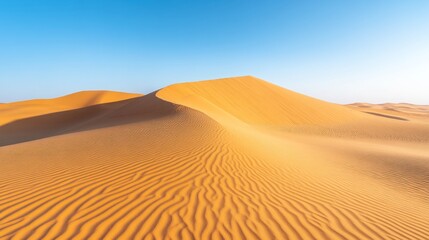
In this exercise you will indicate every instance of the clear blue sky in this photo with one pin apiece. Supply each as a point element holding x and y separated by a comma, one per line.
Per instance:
<point>340,51</point>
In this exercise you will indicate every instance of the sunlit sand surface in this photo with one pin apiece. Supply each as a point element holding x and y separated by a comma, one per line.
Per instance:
<point>235,158</point>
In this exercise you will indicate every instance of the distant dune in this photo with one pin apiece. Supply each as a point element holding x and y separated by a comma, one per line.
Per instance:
<point>399,109</point>
<point>19,110</point>
<point>234,158</point>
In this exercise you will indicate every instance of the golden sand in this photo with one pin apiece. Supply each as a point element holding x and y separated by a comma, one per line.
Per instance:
<point>235,158</point>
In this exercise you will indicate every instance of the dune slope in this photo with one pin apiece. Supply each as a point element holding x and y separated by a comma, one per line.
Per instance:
<point>186,163</point>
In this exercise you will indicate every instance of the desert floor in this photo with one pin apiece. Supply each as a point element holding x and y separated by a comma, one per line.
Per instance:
<point>235,158</point>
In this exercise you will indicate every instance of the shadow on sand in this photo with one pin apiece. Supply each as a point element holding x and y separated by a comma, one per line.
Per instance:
<point>83,119</point>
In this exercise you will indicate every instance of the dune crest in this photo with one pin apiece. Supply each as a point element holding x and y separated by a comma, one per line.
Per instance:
<point>191,161</point>
<point>255,101</point>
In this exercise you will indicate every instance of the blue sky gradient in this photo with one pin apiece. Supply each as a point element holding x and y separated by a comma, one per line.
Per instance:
<point>340,51</point>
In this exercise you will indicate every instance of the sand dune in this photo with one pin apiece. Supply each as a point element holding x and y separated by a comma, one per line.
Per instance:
<point>18,110</point>
<point>235,158</point>
<point>255,101</point>
<point>395,109</point>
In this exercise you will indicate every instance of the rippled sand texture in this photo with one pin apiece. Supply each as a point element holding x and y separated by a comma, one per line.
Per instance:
<point>235,158</point>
